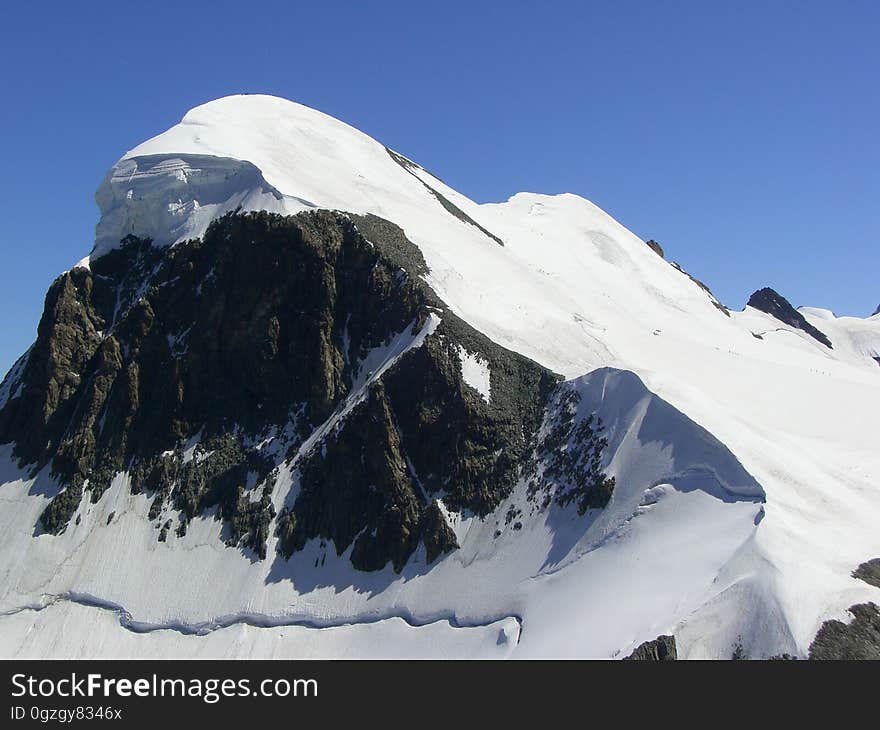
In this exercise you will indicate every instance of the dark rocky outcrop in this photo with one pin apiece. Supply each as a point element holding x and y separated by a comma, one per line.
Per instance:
<point>869,572</point>
<point>859,639</point>
<point>240,331</point>
<point>661,649</point>
<point>180,365</point>
<point>769,301</point>
<point>656,248</point>
<point>421,433</point>
<point>447,204</point>
<point>437,535</point>
<point>567,462</point>
<point>876,311</point>
<point>712,298</point>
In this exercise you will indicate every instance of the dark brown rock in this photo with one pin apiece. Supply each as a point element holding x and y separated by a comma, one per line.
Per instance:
<point>774,304</point>
<point>705,287</point>
<point>869,572</point>
<point>570,453</point>
<point>447,204</point>
<point>256,331</point>
<point>661,649</point>
<point>859,639</point>
<point>656,248</point>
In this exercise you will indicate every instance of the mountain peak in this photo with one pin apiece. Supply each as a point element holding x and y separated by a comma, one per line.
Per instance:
<point>259,152</point>
<point>773,303</point>
<point>293,342</point>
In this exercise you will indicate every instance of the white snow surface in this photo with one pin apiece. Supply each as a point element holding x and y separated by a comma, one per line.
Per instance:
<point>476,373</point>
<point>749,407</point>
<point>854,336</point>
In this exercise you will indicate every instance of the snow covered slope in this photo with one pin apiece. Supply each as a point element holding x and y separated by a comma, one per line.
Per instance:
<point>727,410</point>
<point>859,338</point>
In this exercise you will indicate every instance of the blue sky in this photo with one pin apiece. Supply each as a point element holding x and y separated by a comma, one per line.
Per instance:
<point>742,136</point>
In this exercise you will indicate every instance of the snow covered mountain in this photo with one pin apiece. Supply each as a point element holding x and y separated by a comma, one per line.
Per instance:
<point>304,399</point>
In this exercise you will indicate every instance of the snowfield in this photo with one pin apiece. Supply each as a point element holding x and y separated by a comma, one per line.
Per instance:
<point>745,452</point>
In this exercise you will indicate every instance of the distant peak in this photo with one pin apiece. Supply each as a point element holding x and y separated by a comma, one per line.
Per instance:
<point>773,303</point>
<point>876,311</point>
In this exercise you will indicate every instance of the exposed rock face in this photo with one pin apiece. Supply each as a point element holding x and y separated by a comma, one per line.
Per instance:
<point>656,248</point>
<point>715,303</point>
<point>566,467</point>
<point>859,639</point>
<point>203,369</point>
<point>450,207</point>
<point>869,572</point>
<point>774,304</point>
<point>661,649</point>
<point>359,489</point>
<point>876,311</point>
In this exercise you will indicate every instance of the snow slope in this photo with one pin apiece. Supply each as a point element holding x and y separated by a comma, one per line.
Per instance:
<point>570,287</point>
<point>853,335</point>
<point>678,487</point>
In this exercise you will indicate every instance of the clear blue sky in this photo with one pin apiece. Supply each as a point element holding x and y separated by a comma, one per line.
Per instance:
<point>743,136</point>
